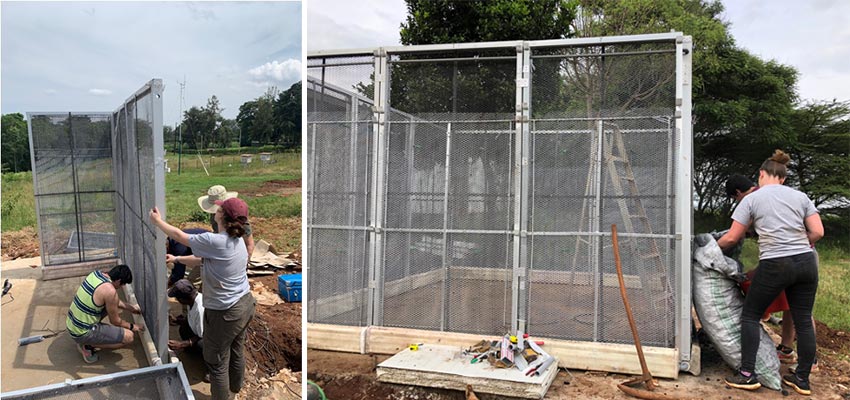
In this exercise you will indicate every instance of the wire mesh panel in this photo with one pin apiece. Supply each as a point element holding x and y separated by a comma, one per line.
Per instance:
<point>339,150</point>
<point>139,186</point>
<point>71,157</point>
<point>602,137</point>
<point>166,382</point>
<point>498,170</point>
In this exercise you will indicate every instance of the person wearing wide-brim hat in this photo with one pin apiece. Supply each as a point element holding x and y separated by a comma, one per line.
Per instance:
<point>207,203</point>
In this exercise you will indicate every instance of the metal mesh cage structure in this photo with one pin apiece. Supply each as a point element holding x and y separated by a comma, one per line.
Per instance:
<point>95,175</point>
<point>165,382</point>
<point>72,183</point>
<point>472,187</point>
<point>139,186</point>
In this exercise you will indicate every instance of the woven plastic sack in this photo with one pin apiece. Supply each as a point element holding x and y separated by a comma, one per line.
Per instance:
<point>718,301</point>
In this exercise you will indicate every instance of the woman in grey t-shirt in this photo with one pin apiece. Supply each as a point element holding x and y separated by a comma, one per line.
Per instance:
<point>788,225</point>
<point>228,302</point>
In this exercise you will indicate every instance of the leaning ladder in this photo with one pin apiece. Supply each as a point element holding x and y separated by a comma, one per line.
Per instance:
<point>653,273</point>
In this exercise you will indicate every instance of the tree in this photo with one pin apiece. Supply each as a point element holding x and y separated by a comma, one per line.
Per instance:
<point>742,104</point>
<point>447,21</point>
<point>246,118</point>
<point>201,125</point>
<point>15,151</point>
<point>820,158</point>
<point>287,111</point>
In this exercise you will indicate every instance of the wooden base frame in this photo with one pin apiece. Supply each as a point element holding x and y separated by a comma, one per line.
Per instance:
<point>608,357</point>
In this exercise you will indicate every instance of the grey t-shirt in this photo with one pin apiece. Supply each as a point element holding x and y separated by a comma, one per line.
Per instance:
<point>223,272</point>
<point>778,215</point>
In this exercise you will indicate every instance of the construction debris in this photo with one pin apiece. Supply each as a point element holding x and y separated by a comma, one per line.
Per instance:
<point>264,256</point>
<point>264,295</point>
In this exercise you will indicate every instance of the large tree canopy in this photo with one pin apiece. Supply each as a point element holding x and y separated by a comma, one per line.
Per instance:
<point>15,151</point>
<point>744,106</point>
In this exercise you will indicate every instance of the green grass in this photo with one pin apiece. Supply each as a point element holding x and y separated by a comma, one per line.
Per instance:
<point>833,285</point>
<point>183,190</point>
<point>17,210</point>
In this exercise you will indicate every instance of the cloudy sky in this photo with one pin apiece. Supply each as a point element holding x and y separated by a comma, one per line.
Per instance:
<point>91,56</point>
<point>812,36</point>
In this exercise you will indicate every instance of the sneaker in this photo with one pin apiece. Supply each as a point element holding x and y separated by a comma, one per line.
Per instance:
<point>793,369</point>
<point>786,355</point>
<point>798,384</point>
<point>739,381</point>
<point>88,353</point>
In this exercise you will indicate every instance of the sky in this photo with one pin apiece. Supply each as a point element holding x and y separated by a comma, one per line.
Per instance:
<point>812,36</point>
<point>82,56</point>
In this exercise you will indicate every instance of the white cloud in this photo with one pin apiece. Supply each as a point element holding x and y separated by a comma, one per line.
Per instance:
<point>100,92</point>
<point>50,92</point>
<point>277,71</point>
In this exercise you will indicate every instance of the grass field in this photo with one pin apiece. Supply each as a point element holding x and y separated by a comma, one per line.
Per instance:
<point>183,190</point>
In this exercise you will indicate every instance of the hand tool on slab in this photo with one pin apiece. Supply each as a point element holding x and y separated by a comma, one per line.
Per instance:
<point>415,346</point>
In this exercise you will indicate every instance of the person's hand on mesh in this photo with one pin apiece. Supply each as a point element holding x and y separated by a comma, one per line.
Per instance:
<point>155,216</point>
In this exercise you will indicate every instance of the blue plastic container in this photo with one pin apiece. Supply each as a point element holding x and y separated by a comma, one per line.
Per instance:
<point>289,287</point>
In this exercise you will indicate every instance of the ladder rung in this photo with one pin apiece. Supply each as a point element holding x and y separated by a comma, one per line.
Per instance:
<point>649,255</point>
<point>628,178</point>
<point>638,216</point>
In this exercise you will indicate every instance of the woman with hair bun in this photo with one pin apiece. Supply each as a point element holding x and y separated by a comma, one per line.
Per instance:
<point>788,224</point>
<point>228,302</point>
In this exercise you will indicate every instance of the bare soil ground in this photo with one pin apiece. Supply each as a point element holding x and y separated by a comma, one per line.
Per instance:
<point>352,376</point>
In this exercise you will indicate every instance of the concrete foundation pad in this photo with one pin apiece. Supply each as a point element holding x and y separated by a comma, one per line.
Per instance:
<point>445,367</point>
<point>34,305</point>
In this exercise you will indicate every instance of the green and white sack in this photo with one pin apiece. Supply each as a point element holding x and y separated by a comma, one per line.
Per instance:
<point>718,301</point>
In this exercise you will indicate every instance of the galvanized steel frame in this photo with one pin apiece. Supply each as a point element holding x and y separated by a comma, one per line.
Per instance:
<point>72,387</point>
<point>521,174</point>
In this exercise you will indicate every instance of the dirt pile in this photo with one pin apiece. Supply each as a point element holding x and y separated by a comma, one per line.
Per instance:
<point>19,244</point>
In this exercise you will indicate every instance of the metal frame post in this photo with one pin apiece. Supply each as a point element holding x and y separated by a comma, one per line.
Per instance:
<point>307,226</point>
<point>35,188</point>
<point>521,174</point>
<point>684,189</point>
<point>444,317</point>
<point>156,89</point>
<point>375,301</point>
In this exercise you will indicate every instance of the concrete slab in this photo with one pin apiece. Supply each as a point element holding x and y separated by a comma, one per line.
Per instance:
<point>445,367</point>
<point>34,306</point>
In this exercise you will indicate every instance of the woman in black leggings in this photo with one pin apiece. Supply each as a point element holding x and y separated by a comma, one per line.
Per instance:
<point>788,225</point>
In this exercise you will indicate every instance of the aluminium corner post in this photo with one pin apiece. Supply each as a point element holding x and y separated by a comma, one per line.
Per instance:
<point>159,200</point>
<point>522,143</point>
<point>36,191</point>
<point>375,315</point>
<point>684,207</point>
<point>444,308</point>
<point>308,197</point>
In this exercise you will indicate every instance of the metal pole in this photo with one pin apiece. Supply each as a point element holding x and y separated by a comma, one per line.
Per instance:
<point>597,217</point>
<point>684,190</point>
<point>444,319</point>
